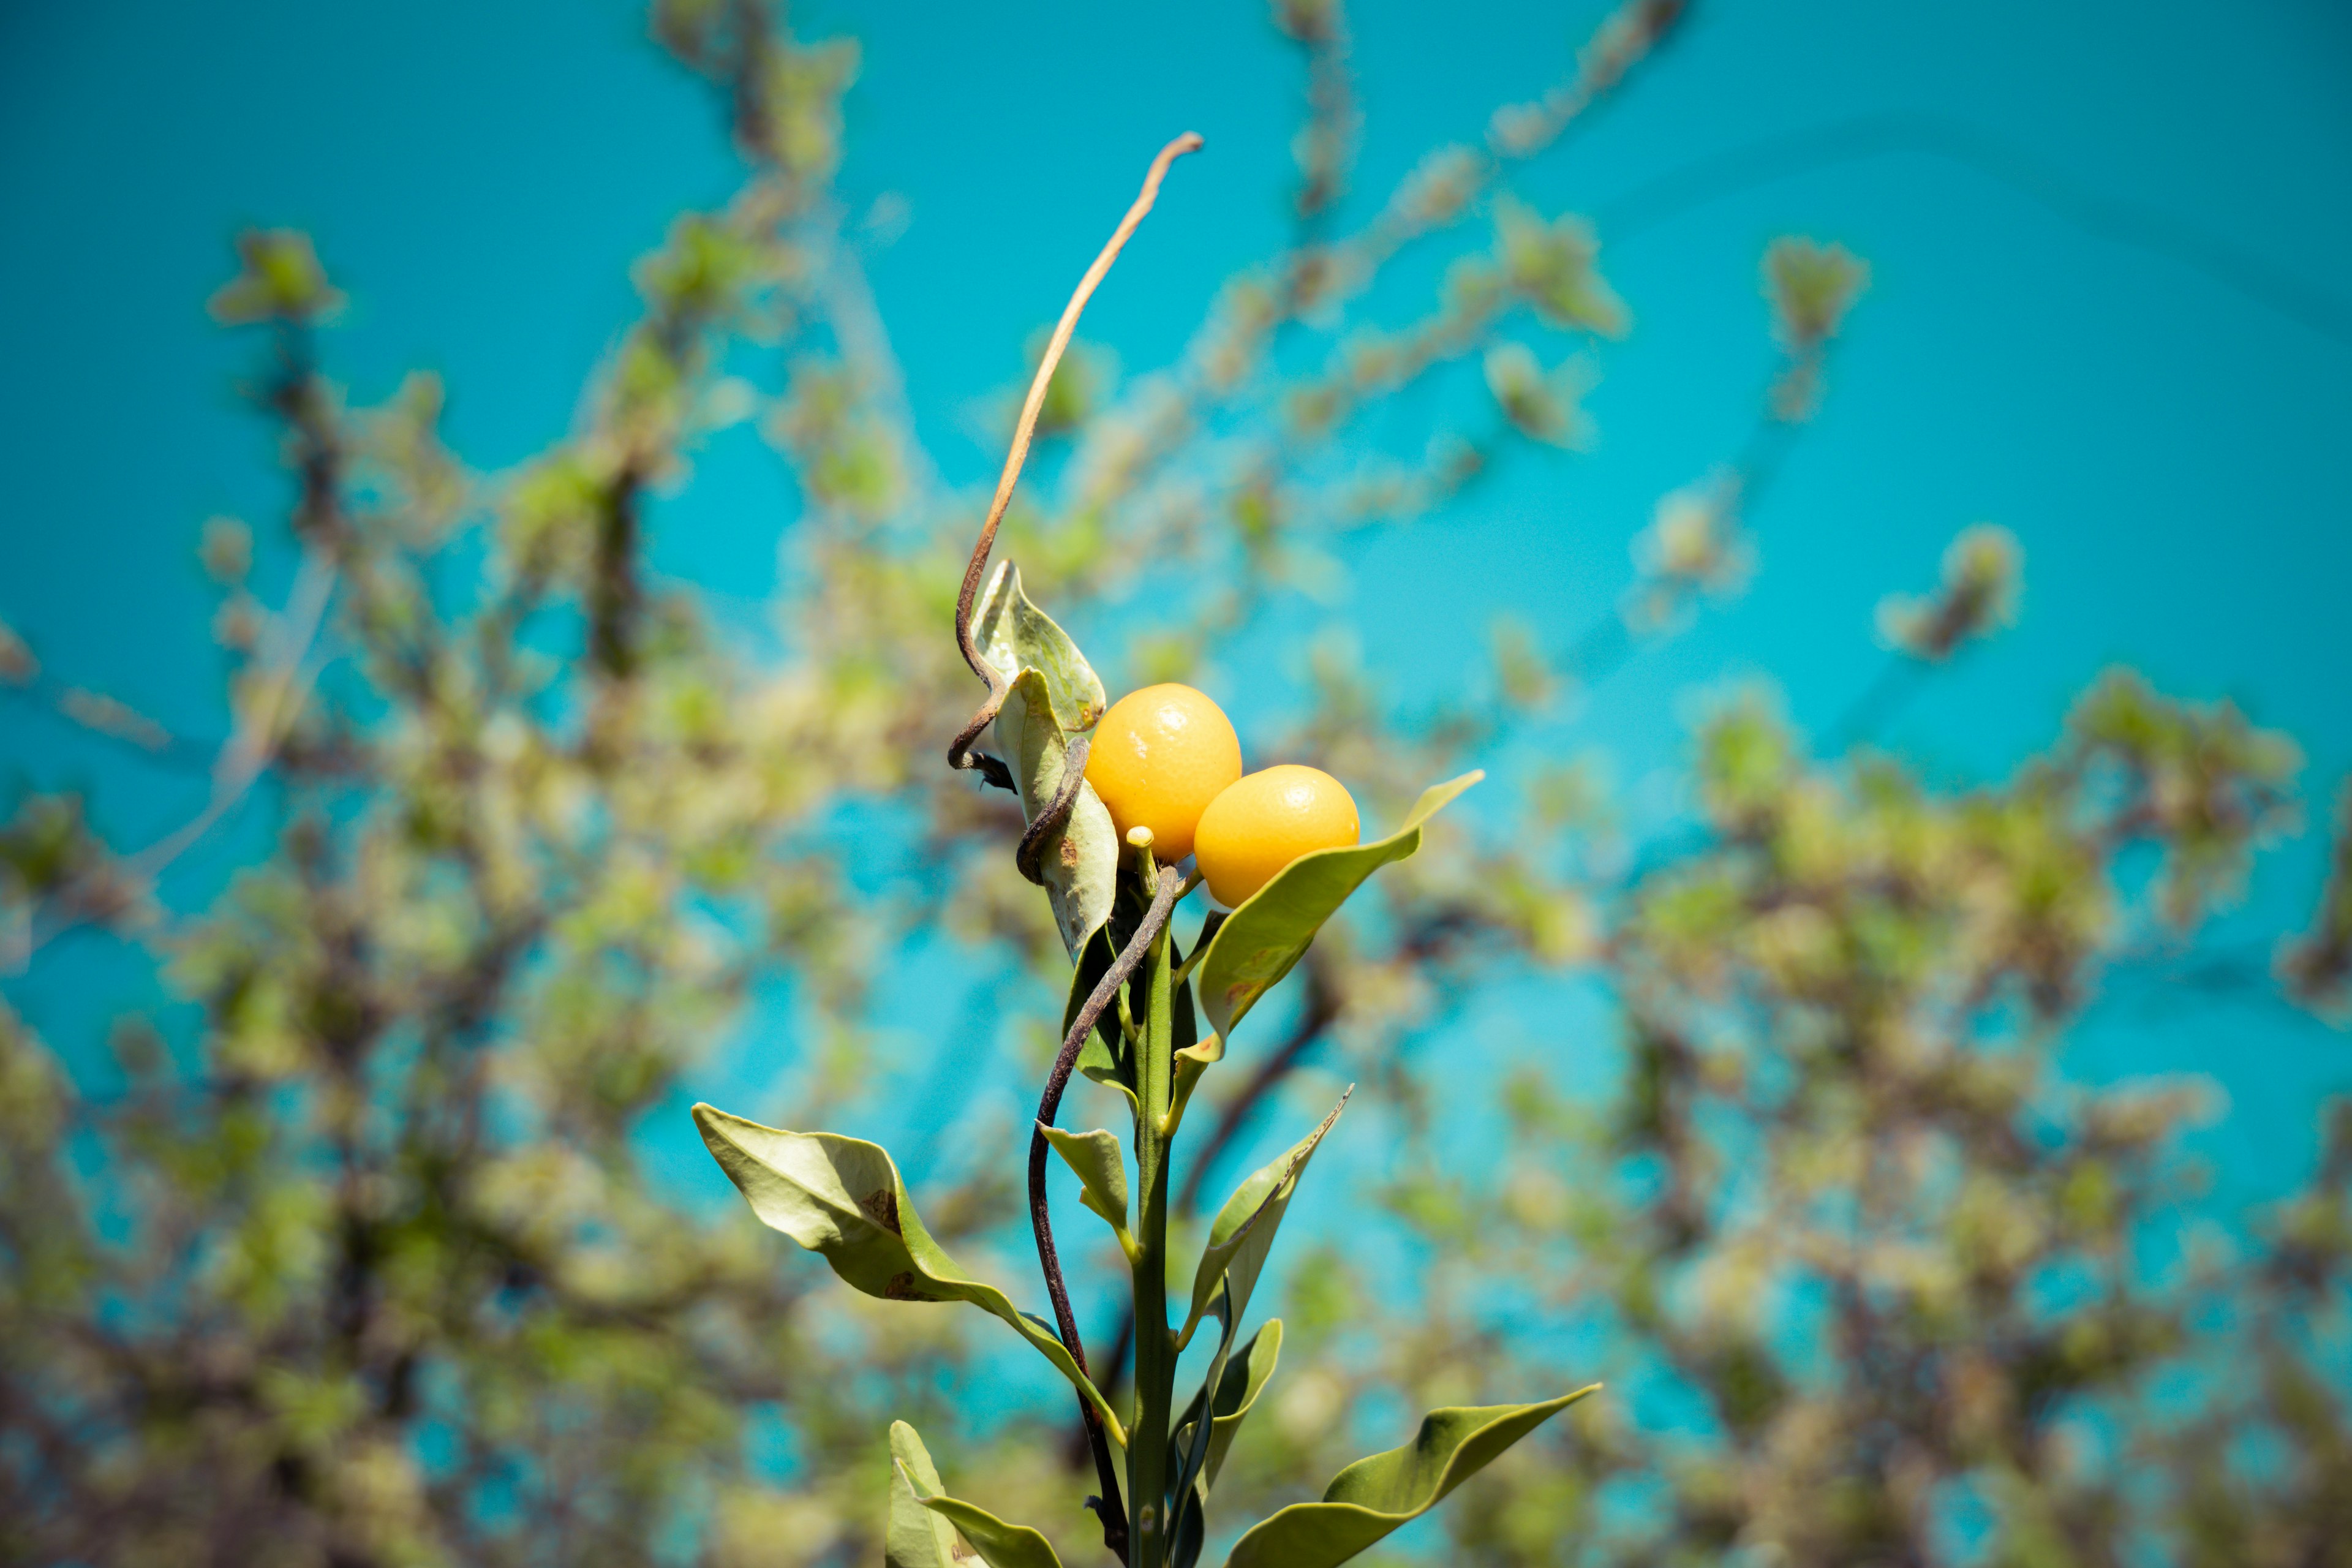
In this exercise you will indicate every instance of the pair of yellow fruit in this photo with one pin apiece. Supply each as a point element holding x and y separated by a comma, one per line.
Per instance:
<point>1166,758</point>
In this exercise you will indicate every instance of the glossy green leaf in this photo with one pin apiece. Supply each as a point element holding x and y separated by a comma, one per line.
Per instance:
<point>1190,1063</point>
<point>1190,1459</point>
<point>844,1197</point>
<point>1014,634</point>
<point>1238,1393</point>
<point>1373,1497</point>
<point>1080,864</point>
<point>999,1545</point>
<point>917,1538</point>
<point>1239,1382</point>
<point>1259,944</point>
<point>1055,694</point>
<point>1241,1235</point>
<point>1101,1166</point>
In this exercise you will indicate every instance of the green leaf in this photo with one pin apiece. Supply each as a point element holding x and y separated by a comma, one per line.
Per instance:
<point>1239,1239</point>
<point>1190,1063</point>
<point>1244,1377</point>
<point>1101,1166</point>
<point>1374,1495</point>
<point>280,280</point>
<point>843,1197</point>
<point>1261,939</point>
<point>1239,1382</point>
<point>1242,1233</point>
<point>1014,634</point>
<point>1055,694</point>
<point>1000,1545</point>
<point>1080,864</point>
<point>917,1538</point>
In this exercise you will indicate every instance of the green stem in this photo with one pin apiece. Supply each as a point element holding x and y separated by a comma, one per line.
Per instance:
<point>1155,1349</point>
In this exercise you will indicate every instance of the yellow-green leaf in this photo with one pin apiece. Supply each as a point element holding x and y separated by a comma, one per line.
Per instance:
<point>917,1538</point>
<point>1242,1233</point>
<point>843,1197</point>
<point>1243,1379</point>
<point>1101,1166</point>
<point>999,1545</point>
<point>1375,1496</point>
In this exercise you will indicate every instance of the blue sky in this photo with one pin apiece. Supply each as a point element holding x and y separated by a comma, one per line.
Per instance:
<point>2074,330</point>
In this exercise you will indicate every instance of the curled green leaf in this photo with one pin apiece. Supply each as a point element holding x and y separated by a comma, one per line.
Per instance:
<point>843,1197</point>
<point>1054,694</point>
<point>1375,1496</point>
<point>997,1544</point>
<point>1240,1381</point>
<point>1080,861</point>
<point>1101,1167</point>
<point>1190,1063</point>
<point>917,1538</point>
<point>1244,1377</point>
<point>1260,942</point>
<point>1014,634</point>
<point>1239,1239</point>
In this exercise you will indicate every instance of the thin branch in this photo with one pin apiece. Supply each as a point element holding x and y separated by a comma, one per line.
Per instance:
<point>615,597</point>
<point>250,748</point>
<point>1896,681</point>
<point>2121,222</point>
<point>864,341</point>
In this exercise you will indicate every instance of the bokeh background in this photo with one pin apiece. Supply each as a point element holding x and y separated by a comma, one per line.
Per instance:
<point>2106,310</point>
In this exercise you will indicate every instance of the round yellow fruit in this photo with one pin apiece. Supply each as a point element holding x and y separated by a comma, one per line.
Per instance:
<point>1267,820</point>
<point>1161,755</point>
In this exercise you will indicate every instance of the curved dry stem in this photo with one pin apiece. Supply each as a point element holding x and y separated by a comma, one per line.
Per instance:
<point>1030,851</point>
<point>960,754</point>
<point>959,751</point>
<point>1049,1106</point>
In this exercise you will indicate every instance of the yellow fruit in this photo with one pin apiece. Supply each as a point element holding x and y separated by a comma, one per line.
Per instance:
<point>1160,756</point>
<point>1267,820</point>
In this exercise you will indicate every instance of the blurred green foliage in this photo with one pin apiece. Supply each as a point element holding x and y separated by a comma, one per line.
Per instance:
<point>368,1271</point>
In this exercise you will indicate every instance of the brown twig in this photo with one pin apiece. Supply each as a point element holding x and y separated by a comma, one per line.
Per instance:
<point>1049,1105</point>
<point>960,752</point>
<point>1032,848</point>
<point>615,597</point>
